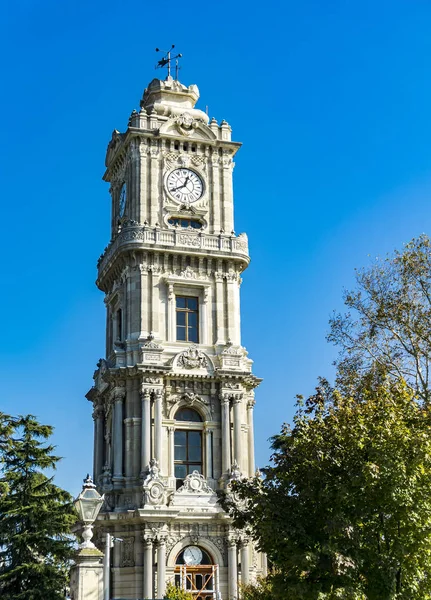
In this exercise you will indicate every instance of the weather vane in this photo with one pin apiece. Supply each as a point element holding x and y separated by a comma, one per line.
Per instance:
<point>166,60</point>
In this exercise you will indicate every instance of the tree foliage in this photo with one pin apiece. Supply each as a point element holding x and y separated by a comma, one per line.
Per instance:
<point>388,322</point>
<point>345,509</point>
<point>35,514</point>
<point>261,590</point>
<point>173,592</point>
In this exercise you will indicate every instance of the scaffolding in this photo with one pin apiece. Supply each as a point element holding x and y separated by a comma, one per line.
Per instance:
<point>202,582</point>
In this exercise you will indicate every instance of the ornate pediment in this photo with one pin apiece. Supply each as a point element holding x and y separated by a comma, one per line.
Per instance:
<point>187,126</point>
<point>114,144</point>
<point>194,492</point>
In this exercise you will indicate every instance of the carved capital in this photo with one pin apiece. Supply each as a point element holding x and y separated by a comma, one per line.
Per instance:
<point>119,394</point>
<point>145,395</point>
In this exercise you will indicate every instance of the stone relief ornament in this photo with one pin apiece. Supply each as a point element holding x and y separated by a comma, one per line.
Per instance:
<point>127,552</point>
<point>155,493</point>
<point>153,472</point>
<point>154,488</point>
<point>195,483</point>
<point>106,479</point>
<point>192,358</point>
<point>235,472</point>
<point>185,124</point>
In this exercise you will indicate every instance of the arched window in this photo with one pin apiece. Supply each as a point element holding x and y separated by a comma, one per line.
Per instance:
<point>188,444</point>
<point>188,414</point>
<point>200,556</point>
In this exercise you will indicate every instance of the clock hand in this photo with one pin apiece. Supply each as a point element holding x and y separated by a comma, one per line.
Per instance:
<point>177,188</point>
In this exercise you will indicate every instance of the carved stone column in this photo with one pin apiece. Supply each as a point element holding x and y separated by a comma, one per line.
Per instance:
<point>98,416</point>
<point>264,565</point>
<point>158,427</point>
<point>209,453</point>
<point>232,561</point>
<point>171,448</point>
<point>119,396</point>
<point>138,563</point>
<point>250,436</point>
<point>245,561</point>
<point>171,313</point>
<point>148,567</point>
<point>161,568</point>
<point>220,307</point>
<point>225,432</point>
<point>145,430</point>
<point>204,325</point>
<point>237,432</point>
<point>128,446</point>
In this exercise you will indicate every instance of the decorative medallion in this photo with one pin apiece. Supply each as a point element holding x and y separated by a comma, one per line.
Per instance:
<point>192,358</point>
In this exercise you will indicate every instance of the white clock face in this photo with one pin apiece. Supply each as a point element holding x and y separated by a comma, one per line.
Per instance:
<point>123,198</point>
<point>184,185</point>
<point>192,555</point>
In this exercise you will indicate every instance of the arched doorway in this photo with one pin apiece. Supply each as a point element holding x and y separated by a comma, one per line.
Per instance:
<point>196,572</point>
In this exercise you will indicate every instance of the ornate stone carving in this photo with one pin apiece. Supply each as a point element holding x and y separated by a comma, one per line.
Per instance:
<point>195,483</point>
<point>150,344</point>
<point>220,543</point>
<point>105,479</point>
<point>188,239</point>
<point>154,488</point>
<point>235,472</point>
<point>185,124</point>
<point>192,358</point>
<point>153,472</point>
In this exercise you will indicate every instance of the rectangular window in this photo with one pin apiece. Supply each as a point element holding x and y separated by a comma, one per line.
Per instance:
<point>187,309</point>
<point>187,453</point>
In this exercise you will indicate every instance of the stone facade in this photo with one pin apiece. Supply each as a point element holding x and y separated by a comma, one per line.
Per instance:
<point>172,243</point>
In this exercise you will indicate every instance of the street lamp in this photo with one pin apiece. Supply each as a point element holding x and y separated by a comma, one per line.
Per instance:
<point>88,505</point>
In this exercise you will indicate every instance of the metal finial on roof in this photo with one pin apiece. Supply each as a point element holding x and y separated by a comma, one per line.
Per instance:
<point>166,61</point>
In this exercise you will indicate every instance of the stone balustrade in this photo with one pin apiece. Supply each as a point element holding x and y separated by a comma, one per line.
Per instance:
<point>135,236</point>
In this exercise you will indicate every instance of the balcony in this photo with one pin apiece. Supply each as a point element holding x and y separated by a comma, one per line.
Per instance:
<point>134,236</point>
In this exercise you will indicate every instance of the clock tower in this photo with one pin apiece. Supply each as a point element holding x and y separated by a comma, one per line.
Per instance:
<point>173,398</point>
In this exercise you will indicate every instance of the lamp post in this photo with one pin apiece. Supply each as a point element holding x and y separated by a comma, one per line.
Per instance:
<point>88,505</point>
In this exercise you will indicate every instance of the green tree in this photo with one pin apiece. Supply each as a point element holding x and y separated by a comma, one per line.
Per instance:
<point>173,592</point>
<point>35,515</point>
<point>261,590</point>
<point>388,322</point>
<point>345,509</point>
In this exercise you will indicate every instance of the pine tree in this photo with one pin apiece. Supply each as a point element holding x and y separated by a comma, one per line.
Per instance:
<point>35,514</point>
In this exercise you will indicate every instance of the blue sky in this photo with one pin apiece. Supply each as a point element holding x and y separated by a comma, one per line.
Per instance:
<point>331,101</point>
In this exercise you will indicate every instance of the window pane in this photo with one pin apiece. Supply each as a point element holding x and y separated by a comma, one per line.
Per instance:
<point>193,319</point>
<point>194,453</point>
<point>181,318</point>
<point>180,471</point>
<point>185,222</point>
<point>180,438</point>
<point>181,302</point>
<point>192,468</point>
<point>180,453</point>
<point>187,414</point>
<point>195,438</point>
<point>193,334</point>
<point>181,334</point>
<point>192,303</point>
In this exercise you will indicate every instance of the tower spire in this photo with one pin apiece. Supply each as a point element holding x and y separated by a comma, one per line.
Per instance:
<point>166,61</point>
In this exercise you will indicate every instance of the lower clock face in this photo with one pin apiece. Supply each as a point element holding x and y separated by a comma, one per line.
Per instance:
<point>184,185</point>
<point>123,198</point>
<point>192,555</point>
